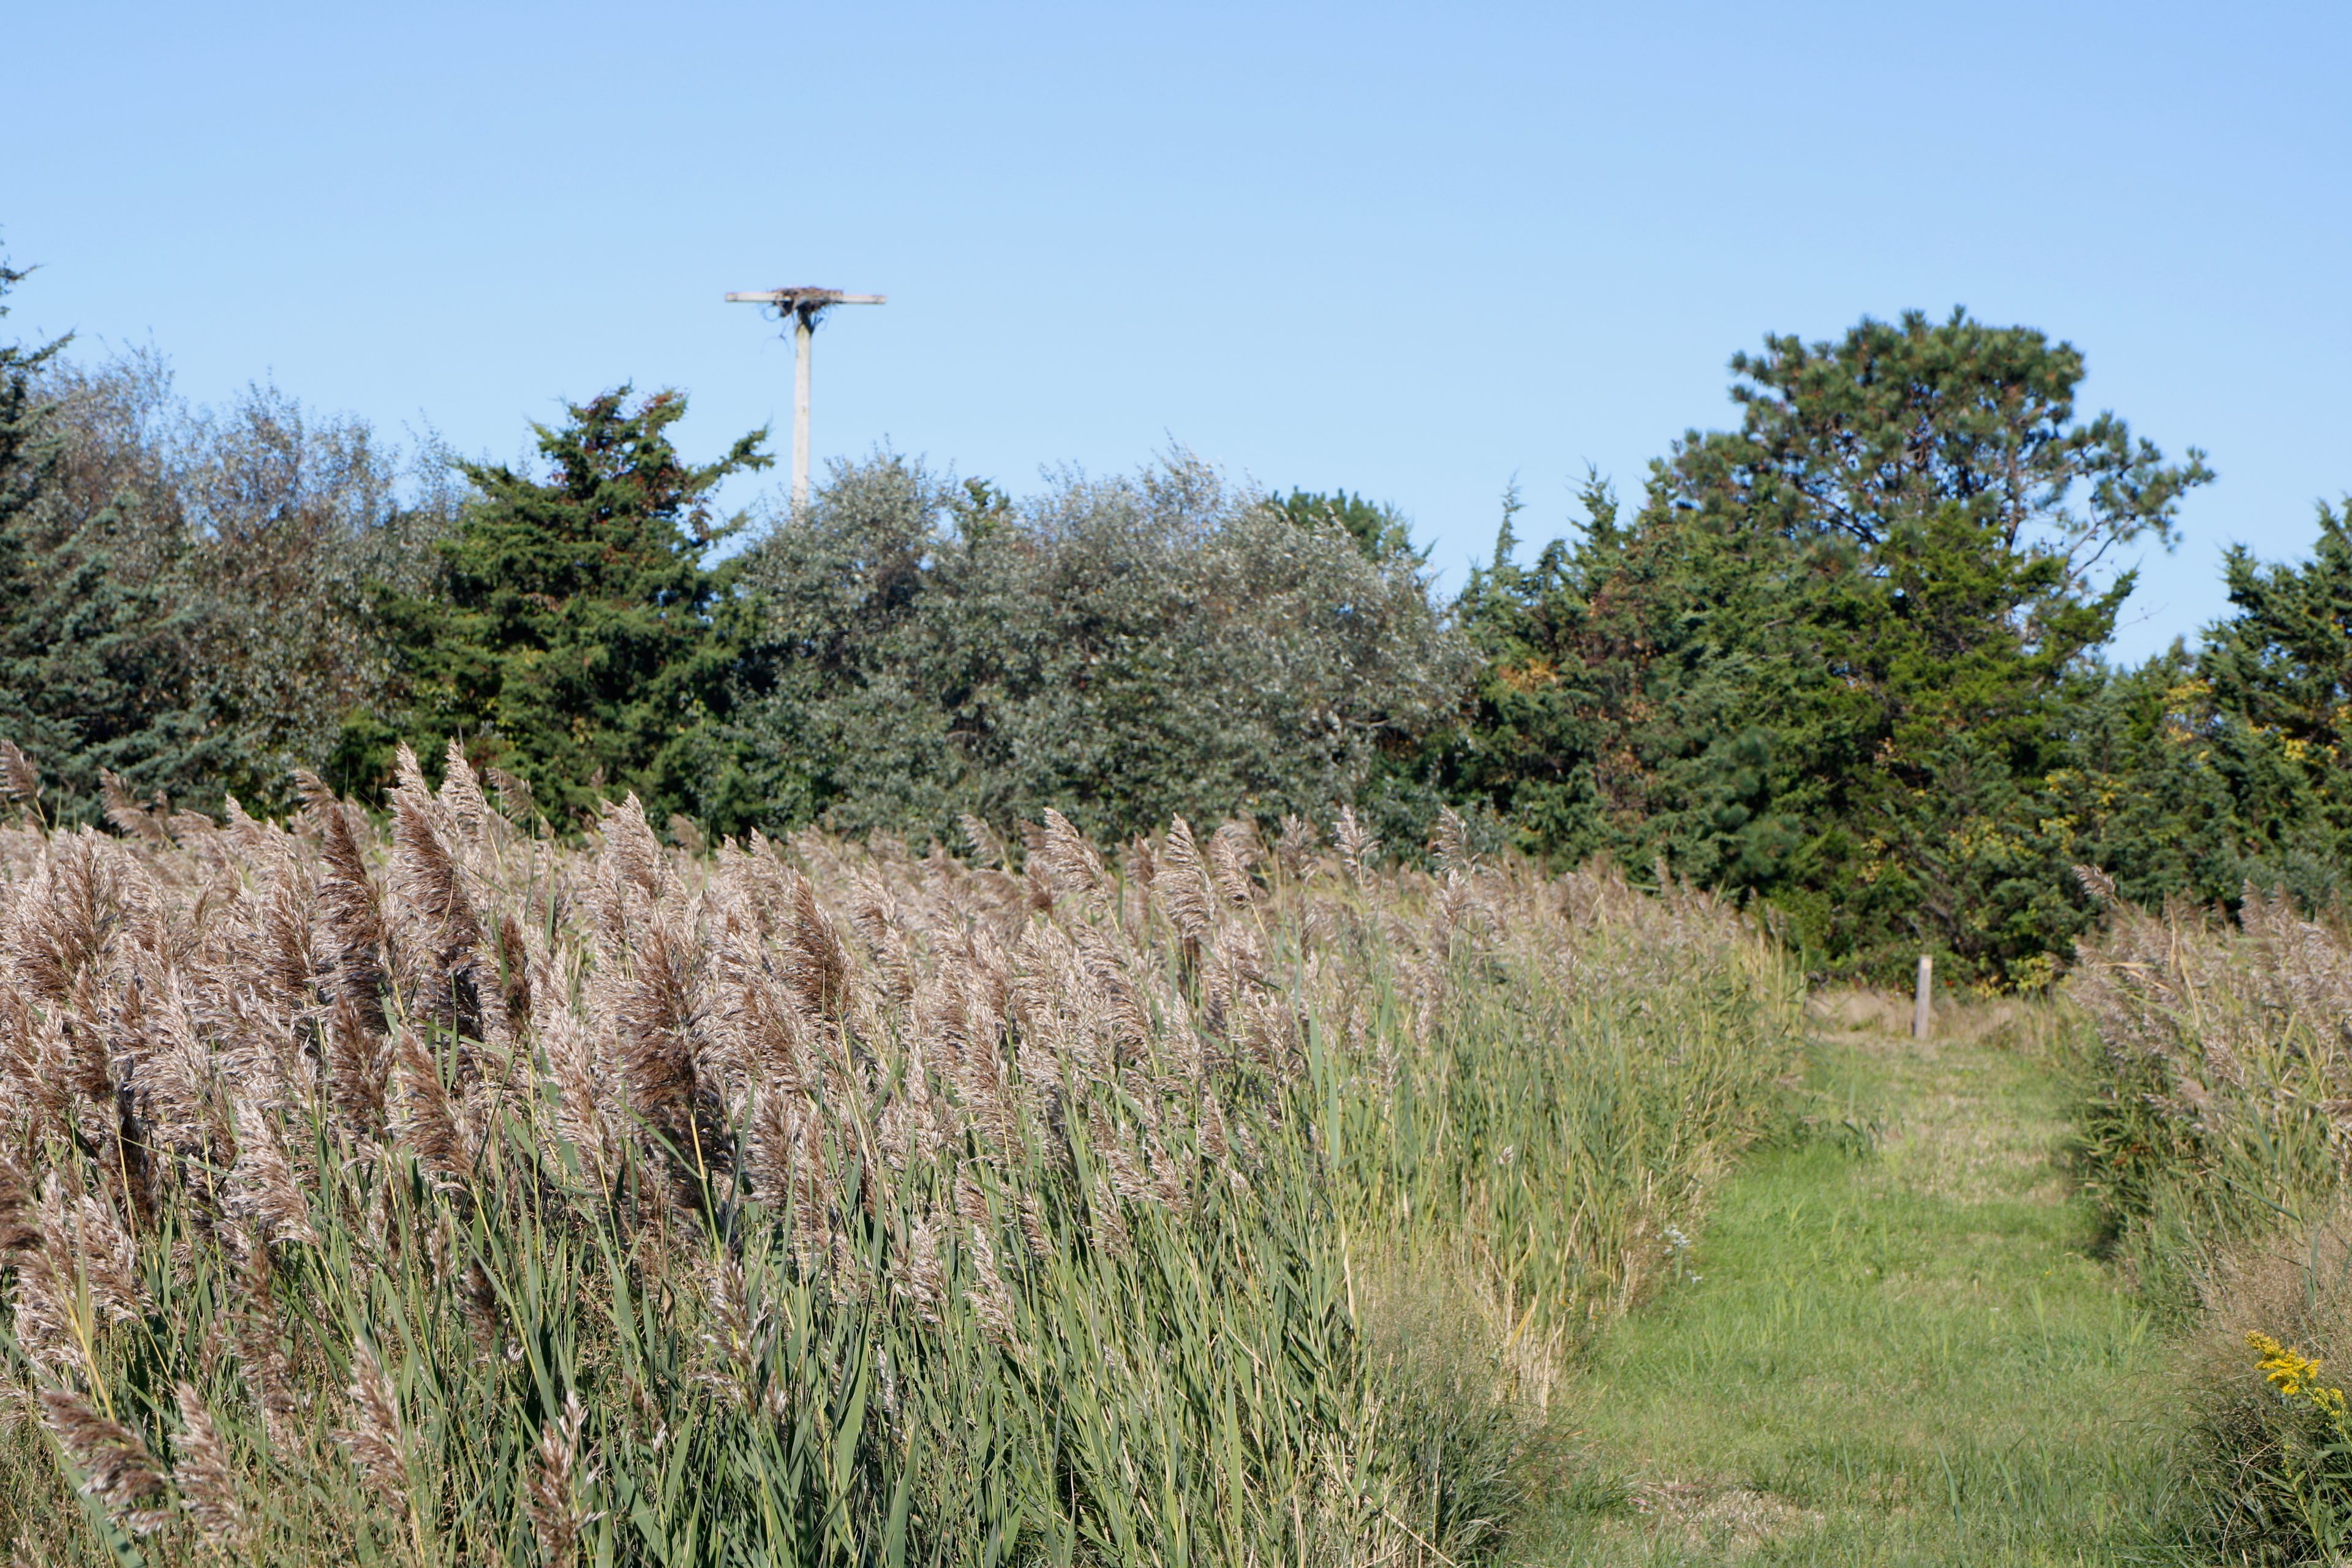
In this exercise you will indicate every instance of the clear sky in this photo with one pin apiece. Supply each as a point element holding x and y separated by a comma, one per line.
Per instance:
<point>1409,251</point>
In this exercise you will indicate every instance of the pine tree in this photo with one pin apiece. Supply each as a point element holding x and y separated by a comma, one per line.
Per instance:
<point>574,640</point>
<point>1837,659</point>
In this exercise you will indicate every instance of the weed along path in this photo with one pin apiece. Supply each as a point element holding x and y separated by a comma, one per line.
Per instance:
<point>1892,1349</point>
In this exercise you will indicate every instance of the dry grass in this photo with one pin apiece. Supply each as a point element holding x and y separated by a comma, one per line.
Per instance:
<point>2222,1071</point>
<point>452,1193</point>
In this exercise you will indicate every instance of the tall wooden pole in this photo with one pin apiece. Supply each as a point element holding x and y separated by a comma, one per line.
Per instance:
<point>804,336</point>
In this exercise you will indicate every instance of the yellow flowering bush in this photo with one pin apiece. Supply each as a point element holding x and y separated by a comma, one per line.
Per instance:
<point>2295,1376</point>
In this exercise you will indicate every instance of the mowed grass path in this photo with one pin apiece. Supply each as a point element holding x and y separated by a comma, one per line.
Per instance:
<point>1895,1350</point>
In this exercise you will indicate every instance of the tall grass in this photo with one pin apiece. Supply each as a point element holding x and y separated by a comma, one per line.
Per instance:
<point>2214,1125</point>
<point>2223,1061</point>
<point>435,1193</point>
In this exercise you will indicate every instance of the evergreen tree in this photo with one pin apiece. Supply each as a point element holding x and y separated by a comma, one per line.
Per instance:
<point>2283,660</point>
<point>1836,658</point>
<point>574,639</point>
<point>26,458</point>
<point>2271,711</point>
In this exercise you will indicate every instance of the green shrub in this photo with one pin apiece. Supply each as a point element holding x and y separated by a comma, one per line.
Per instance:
<point>1123,650</point>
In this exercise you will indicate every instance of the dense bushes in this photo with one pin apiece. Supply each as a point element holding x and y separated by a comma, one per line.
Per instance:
<point>185,594</point>
<point>1122,650</point>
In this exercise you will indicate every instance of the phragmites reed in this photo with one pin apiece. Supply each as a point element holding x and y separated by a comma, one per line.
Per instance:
<point>558,1474</point>
<point>434,1183</point>
<point>2221,1093</point>
<point>377,1438</point>
<point>205,1475</point>
<point>115,1466</point>
<point>19,780</point>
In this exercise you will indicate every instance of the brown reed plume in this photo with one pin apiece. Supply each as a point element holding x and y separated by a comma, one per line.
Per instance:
<point>116,1466</point>
<point>557,1475</point>
<point>19,780</point>
<point>205,1477</point>
<point>377,1438</point>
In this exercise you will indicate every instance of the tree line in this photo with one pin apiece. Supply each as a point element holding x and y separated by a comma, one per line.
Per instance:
<point>1848,658</point>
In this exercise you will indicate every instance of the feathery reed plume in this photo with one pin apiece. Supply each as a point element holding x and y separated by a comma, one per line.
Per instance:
<point>1297,841</point>
<point>478,1300</point>
<point>88,1239</point>
<point>735,1332</point>
<point>578,1110</point>
<point>66,920</point>
<point>1113,994</point>
<point>130,818</point>
<point>2099,885</point>
<point>987,849</point>
<point>920,1276</point>
<point>425,1119</point>
<point>1232,851</point>
<point>205,1477</point>
<point>1181,886</point>
<point>1356,846</point>
<point>19,779</point>
<point>261,1184</point>
<point>461,792</point>
<point>18,1229</point>
<point>377,1441</point>
<point>116,1466</point>
<point>1070,862</point>
<point>1449,844</point>
<point>631,857</point>
<point>50,1327</point>
<point>514,974</point>
<point>515,799</point>
<point>770,1144</point>
<point>655,1018</point>
<point>817,967</point>
<point>348,903</point>
<point>557,1516</point>
<point>1108,1223</point>
<point>991,1302</point>
<point>443,951</point>
<point>1107,1143</point>
<point>281,934</point>
<point>359,1066</point>
<point>1040,1240</point>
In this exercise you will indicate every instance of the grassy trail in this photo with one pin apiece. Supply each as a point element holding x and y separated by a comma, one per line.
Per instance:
<point>1898,1354</point>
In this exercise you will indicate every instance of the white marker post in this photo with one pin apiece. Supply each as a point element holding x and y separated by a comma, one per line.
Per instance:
<point>1919,1018</point>
<point>803,306</point>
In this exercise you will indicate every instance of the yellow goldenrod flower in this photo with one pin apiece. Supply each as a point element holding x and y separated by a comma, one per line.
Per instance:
<point>2296,1376</point>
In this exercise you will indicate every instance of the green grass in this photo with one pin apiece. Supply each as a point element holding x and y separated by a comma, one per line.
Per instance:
<point>1893,1348</point>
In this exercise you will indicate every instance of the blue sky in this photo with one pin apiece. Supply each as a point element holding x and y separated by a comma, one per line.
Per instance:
<point>1414,251</point>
